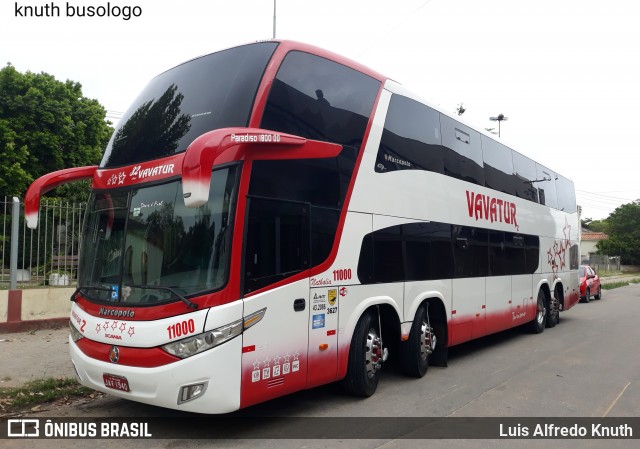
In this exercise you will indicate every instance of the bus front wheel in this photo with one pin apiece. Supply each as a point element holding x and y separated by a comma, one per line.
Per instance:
<point>366,355</point>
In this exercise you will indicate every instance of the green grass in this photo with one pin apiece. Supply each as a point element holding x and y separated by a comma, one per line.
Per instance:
<point>612,285</point>
<point>42,391</point>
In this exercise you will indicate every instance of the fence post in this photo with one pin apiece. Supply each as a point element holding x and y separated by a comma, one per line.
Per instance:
<point>13,264</point>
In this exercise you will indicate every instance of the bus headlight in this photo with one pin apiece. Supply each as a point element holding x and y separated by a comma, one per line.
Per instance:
<point>202,342</point>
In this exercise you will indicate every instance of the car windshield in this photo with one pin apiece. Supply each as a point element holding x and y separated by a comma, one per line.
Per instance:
<point>144,246</point>
<point>581,272</point>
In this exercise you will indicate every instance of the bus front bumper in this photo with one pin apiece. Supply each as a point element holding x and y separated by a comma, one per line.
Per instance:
<point>217,370</point>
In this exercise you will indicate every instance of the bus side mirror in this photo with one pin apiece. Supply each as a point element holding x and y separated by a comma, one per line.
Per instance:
<point>47,182</point>
<point>205,150</point>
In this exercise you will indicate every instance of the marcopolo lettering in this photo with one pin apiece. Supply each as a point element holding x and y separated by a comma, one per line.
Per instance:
<point>485,207</point>
<point>116,313</point>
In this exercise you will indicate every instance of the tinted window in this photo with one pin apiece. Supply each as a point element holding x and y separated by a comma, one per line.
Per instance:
<point>498,263</point>
<point>387,255</point>
<point>574,257</point>
<point>319,99</point>
<point>546,186</point>
<point>277,243</point>
<point>532,253</point>
<point>498,166</point>
<point>322,182</point>
<point>411,137</point>
<point>470,251</point>
<point>211,92</point>
<point>426,251</point>
<point>566,194</point>
<point>463,151</point>
<point>516,256</point>
<point>524,170</point>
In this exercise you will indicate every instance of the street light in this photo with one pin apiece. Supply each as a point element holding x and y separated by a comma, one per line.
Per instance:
<point>499,118</point>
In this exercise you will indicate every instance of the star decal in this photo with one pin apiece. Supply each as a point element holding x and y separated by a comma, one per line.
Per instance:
<point>106,325</point>
<point>131,331</point>
<point>295,356</point>
<point>121,178</point>
<point>286,358</point>
<point>114,325</point>
<point>98,327</point>
<point>266,362</point>
<point>123,326</point>
<point>256,365</point>
<point>276,360</point>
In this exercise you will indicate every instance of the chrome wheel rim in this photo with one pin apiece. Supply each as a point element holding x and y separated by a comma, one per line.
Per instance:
<point>373,353</point>
<point>541,311</point>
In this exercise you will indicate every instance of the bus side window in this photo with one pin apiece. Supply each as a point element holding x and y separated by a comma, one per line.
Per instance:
<point>277,242</point>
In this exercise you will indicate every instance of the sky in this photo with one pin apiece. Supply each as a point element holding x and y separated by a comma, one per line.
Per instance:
<point>566,73</point>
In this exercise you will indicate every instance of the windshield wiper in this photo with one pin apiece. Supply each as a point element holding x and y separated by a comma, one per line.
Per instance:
<point>171,290</point>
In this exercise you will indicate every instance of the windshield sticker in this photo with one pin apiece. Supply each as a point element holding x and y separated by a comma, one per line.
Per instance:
<point>114,292</point>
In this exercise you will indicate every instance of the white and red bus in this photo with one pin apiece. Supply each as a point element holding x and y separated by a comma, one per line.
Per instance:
<point>274,217</point>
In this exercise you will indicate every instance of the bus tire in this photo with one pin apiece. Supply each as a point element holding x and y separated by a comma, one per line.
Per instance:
<point>553,311</point>
<point>363,371</point>
<point>414,355</point>
<point>540,320</point>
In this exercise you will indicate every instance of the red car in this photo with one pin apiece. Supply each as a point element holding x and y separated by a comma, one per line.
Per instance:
<point>589,283</point>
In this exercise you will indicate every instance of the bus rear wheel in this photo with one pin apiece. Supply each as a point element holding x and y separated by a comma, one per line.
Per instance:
<point>553,311</point>
<point>414,353</point>
<point>365,358</point>
<point>540,321</point>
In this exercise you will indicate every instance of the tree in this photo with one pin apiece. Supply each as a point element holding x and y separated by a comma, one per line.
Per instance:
<point>623,228</point>
<point>594,225</point>
<point>45,125</point>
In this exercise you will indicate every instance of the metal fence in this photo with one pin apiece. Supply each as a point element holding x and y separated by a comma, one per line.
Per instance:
<point>605,263</point>
<point>47,255</point>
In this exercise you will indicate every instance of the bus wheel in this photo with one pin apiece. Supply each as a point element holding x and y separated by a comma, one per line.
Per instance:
<point>538,324</point>
<point>414,353</point>
<point>366,356</point>
<point>553,312</point>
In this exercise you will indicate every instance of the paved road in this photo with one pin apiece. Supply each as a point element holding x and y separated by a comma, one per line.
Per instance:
<point>588,366</point>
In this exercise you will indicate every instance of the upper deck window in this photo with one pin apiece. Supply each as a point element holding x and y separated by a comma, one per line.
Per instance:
<point>212,92</point>
<point>320,99</point>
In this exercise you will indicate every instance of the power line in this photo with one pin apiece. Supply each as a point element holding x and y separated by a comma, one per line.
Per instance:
<point>603,196</point>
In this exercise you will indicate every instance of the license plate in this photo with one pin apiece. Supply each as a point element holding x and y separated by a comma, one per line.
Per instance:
<point>116,382</point>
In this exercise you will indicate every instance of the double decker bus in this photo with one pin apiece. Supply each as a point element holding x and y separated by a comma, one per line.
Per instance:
<point>274,217</point>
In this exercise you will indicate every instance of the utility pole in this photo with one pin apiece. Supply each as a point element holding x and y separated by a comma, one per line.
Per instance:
<point>274,19</point>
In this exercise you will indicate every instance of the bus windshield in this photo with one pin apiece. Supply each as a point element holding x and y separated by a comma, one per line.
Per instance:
<point>143,246</point>
<point>212,92</point>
